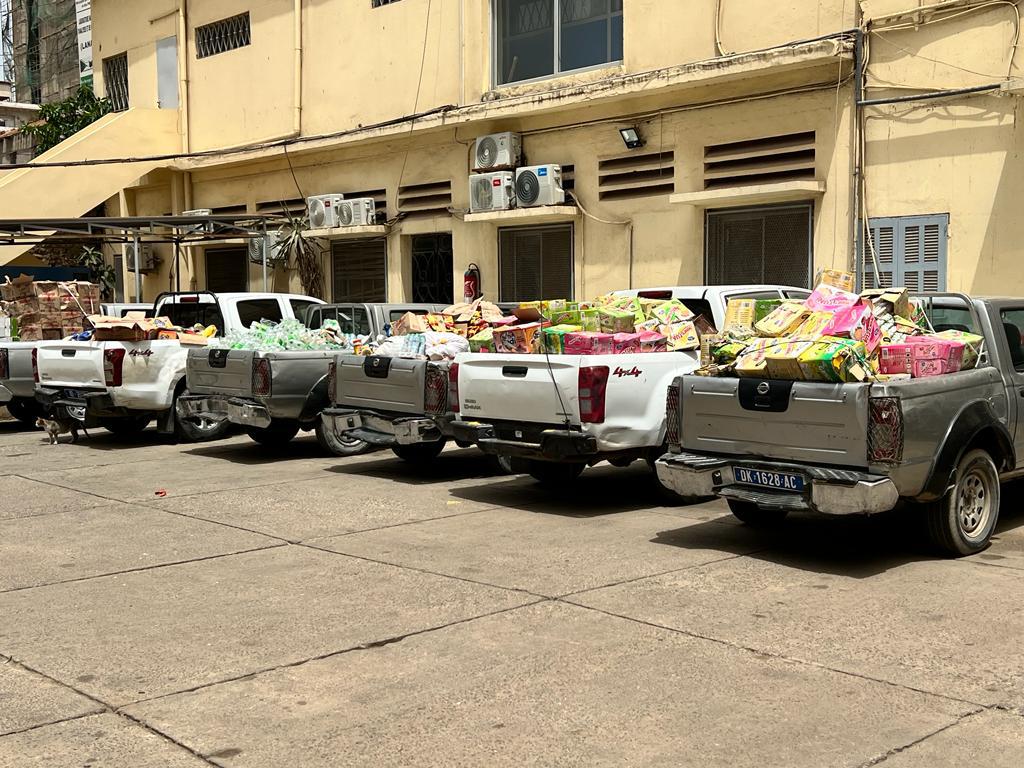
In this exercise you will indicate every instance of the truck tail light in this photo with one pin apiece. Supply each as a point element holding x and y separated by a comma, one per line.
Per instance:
<point>332,381</point>
<point>435,395</point>
<point>672,425</point>
<point>593,383</point>
<point>5,365</point>
<point>35,364</point>
<point>113,367</point>
<point>885,430</point>
<point>261,377</point>
<point>453,388</point>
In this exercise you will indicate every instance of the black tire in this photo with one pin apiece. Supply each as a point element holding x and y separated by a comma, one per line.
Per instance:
<point>555,474</point>
<point>124,427</point>
<point>420,453</point>
<point>279,433</point>
<point>503,465</point>
<point>749,513</point>
<point>197,430</point>
<point>25,411</point>
<point>337,446</point>
<point>962,522</point>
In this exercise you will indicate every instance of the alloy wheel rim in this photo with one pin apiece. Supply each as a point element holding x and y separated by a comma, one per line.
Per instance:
<point>974,504</point>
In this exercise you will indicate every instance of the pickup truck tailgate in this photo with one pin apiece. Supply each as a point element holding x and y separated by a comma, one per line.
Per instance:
<point>527,388</point>
<point>220,371</point>
<point>793,421</point>
<point>390,384</point>
<point>72,364</point>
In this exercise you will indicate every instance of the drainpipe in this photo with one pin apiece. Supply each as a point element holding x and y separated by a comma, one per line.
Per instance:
<point>186,141</point>
<point>297,120</point>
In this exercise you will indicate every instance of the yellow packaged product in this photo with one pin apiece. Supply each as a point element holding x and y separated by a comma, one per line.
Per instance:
<point>708,343</point>
<point>739,316</point>
<point>814,326</point>
<point>783,360</point>
<point>680,336</point>
<point>837,278</point>
<point>836,360</point>
<point>752,361</point>
<point>783,320</point>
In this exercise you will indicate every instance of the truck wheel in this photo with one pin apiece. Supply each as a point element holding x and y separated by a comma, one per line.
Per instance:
<point>754,516</point>
<point>420,453</point>
<point>25,411</point>
<point>555,474</point>
<point>277,434</point>
<point>504,465</point>
<point>338,446</point>
<point>962,522</point>
<point>197,429</point>
<point>129,425</point>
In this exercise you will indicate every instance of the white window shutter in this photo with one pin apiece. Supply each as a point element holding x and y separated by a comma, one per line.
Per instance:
<point>910,251</point>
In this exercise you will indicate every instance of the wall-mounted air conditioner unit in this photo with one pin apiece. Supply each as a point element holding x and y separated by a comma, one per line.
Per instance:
<point>277,251</point>
<point>539,185</point>
<point>148,260</point>
<point>323,211</point>
<point>193,228</point>
<point>357,212</point>
<point>492,191</point>
<point>497,151</point>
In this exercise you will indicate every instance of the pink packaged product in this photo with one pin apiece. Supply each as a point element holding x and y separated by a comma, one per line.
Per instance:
<point>926,368</point>
<point>626,343</point>
<point>505,321</point>
<point>588,343</point>
<point>653,342</point>
<point>829,298</point>
<point>949,351</point>
<point>856,322</point>
<point>896,358</point>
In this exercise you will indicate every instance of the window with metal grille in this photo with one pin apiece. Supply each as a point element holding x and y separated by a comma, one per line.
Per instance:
<point>115,81</point>
<point>768,244</point>
<point>433,276</point>
<point>360,270</point>
<point>535,263</point>
<point>906,251</point>
<point>222,36</point>
<point>540,38</point>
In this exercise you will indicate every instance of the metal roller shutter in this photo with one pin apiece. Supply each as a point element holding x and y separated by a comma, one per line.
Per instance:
<point>360,270</point>
<point>770,244</point>
<point>536,263</point>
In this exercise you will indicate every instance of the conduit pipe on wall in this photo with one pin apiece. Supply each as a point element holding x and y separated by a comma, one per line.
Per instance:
<point>297,120</point>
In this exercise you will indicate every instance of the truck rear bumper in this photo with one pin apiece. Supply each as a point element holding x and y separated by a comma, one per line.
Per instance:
<point>221,407</point>
<point>550,445</point>
<point>828,491</point>
<point>381,428</point>
<point>97,405</point>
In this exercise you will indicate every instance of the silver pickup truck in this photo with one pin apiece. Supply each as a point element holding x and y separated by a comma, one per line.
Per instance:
<point>274,395</point>
<point>17,382</point>
<point>944,444</point>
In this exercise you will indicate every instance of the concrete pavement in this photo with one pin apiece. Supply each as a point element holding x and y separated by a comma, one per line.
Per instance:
<point>216,604</point>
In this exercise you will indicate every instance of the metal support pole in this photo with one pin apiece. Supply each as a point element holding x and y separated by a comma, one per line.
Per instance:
<point>266,255</point>
<point>177,265</point>
<point>138,268</point>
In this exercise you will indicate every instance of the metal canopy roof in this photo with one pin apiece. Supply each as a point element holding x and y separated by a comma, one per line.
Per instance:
<point>183,230</point>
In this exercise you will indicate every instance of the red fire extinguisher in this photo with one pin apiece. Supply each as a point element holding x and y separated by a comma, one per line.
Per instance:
<point>472,286</point>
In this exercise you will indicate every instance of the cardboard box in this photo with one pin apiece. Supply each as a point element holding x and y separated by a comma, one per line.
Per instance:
<point>708,343</point>
<point>739,315</point>
<point>616,320</point>
<point>813,328</point>
<point>565,317</point>
<point>588,343</point>
<point>482,341</point>
<point>835,360</point>
<point>895,359</point>
<point>626,343</point>
<point>518,339</point>
<point>723,354</point>
<point>590,320</point>
<point>784,320</point>
<point>554,337</point>
<point>783,360</point>
<point>651,341</point>
<point>681,336</point>
<point>972,346</point>
<point>35,333</point>
<point>926,368</point>
<point>670,312</point>
<point>829,298</point>
<point>408,323</point>
<point>837,278</point>
<point>856,322</point>
<point>764,307</point>
<point>896,301</point>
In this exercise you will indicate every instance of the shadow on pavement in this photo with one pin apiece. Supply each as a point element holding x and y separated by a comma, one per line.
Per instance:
<point>462,464</point>
<point>251,453</point>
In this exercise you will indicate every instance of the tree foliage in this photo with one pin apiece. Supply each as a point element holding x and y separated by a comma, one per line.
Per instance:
<point>63,119</point>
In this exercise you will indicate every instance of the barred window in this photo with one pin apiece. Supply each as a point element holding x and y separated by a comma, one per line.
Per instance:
<point>222,36</point>
<point>115,80</point>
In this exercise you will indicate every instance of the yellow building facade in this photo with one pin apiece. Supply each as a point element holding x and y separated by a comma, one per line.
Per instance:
<point>755,165</point>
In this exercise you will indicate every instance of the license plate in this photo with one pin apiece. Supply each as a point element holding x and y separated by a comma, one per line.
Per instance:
<point>781,481</point>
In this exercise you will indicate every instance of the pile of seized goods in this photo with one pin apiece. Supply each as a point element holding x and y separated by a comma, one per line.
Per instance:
<point>45,310</point>
<point>441,335</point>
<point>135,326</point>
<point>609,325</point>
<point>836,336</point>
<point>291,335</point>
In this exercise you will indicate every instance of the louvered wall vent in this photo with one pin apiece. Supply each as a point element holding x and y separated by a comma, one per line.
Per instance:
<point>621,178</point>
<point>432,198</point>
<point>759,161</point>
<point>296,206</point>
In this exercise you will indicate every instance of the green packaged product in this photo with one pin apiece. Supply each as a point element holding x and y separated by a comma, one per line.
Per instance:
<point>727,353</point>
<point>764,307</point>
<point>590,320</point>
<point>554,337</point>
<point>483,341</point>
<point>565,317</point>
<point>616,320</point>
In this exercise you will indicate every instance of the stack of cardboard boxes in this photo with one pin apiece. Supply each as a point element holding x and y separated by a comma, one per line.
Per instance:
<point>45,310</point>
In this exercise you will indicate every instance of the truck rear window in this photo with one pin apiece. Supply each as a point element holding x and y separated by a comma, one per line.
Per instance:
<point>255,310</point>
<point>186,315</point>
<point>351,319</point>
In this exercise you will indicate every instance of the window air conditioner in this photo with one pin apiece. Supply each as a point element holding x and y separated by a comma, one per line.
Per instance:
<point>148,262</point>
<point>497,151</point>
<point>323,211</point>
<point>277,252</point>
<point>539,185</point>
<point>195,228</point>
<point>492,191</point>
<point>357,212</point>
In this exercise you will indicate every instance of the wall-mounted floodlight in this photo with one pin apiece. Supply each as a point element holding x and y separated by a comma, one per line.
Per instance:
<point>631,137</point>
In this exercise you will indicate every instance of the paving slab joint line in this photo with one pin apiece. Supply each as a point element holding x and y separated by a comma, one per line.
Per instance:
<point>778,656</point>
<point>37,726</point>
<point>397,525</point>
<point>903,748</point>
<point>370,645</point>
<point>181,745</point>
<point>142,568</point>
<point>69,488</point>
<point>280,539</point>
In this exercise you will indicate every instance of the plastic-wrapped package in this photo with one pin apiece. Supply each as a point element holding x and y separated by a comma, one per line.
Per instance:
<point>289,335</point>
<point>444,346</point>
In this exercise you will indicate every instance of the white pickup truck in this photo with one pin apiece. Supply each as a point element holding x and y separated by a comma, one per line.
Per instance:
<point>562,413</point>
<point>123,385</point>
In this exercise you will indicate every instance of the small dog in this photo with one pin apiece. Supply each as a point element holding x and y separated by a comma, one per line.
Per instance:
<point>54,428</point>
